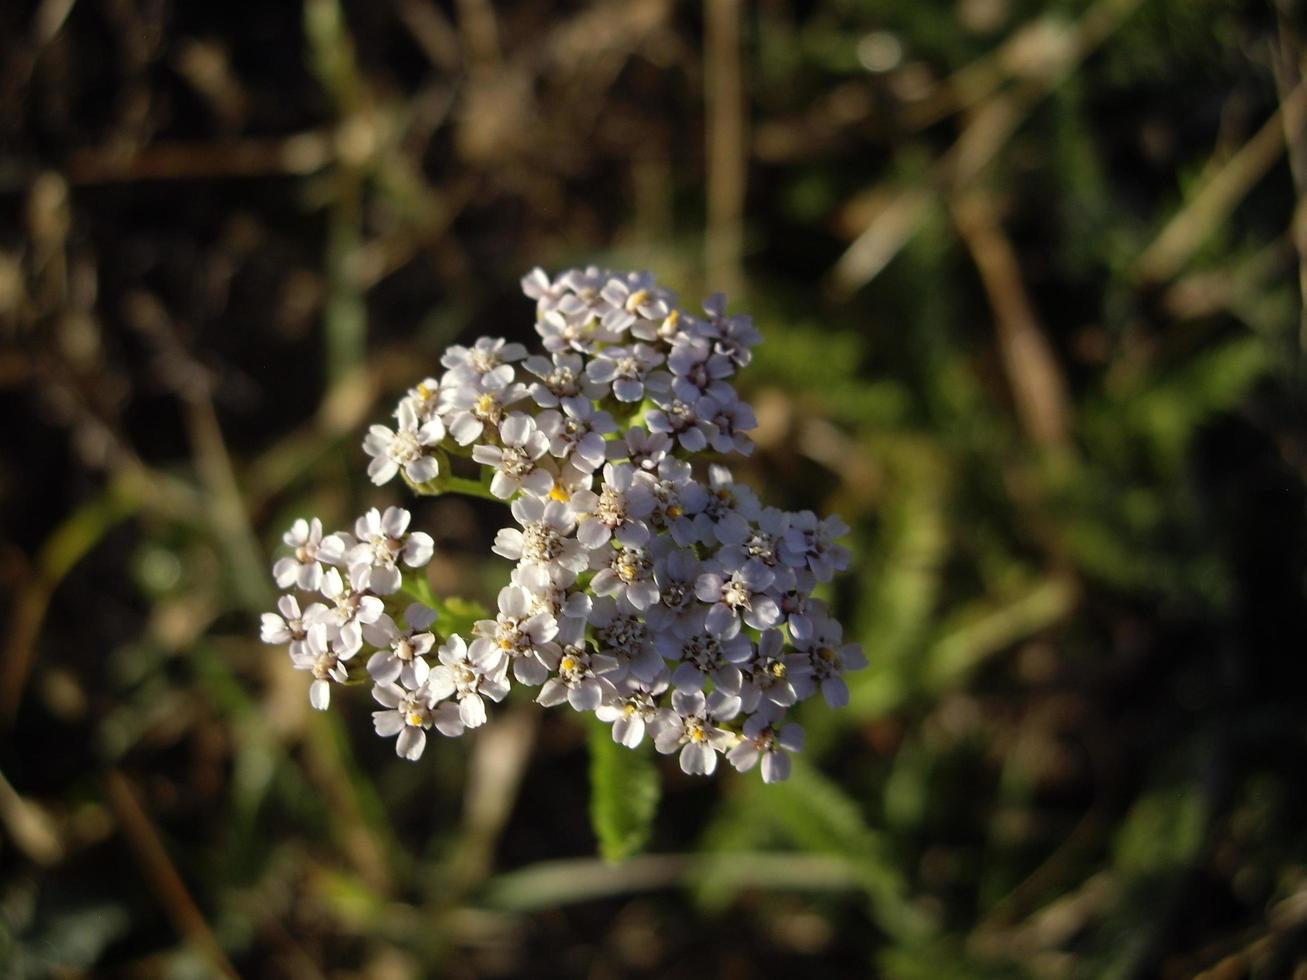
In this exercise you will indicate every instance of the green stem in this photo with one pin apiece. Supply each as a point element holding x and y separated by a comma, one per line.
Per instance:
<point>463,484</point>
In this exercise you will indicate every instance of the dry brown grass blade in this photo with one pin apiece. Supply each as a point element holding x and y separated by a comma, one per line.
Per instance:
<point>1048,57</point>
<point>1221,193</point>
<point>727,166</point>
<point>161,874</point>
<point>1028,359</point>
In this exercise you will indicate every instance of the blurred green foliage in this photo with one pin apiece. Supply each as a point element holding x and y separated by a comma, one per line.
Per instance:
<point>1030,290</point>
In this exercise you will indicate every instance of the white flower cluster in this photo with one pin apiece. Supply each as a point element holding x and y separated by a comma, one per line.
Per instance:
<point>663,599</point>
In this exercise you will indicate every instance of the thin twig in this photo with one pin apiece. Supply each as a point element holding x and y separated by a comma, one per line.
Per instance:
<point>1028,359</point>
<point>161,874</point>
<point>1185,233</point>
<point>727,168</point>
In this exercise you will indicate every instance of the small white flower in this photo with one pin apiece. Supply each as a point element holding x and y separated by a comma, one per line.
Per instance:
<point>423,400</point>
<point>732,418</point>
<point>405,448</point>
<point>549,594</point>
<point>489,361</point>
<point>518,636</point>
<point>763,740</point>
<point>409,714</point>
<point>690,725</point>
<point>291,626</point>
<point>545,538</point>
<point>303,568</point>
<point>351,604</point>
<point>400,654</point>
<point>635,299</point>
<point>382,544</point>
<point>676,570</point>
<point>324,653</point>
<point>677,500</point>
<point>629,706</point>
<point>578,680</point>
<point>617,510</point>
<point>812,542</point>
<point>471,406</point>
<point>624,571</point>
<point>515,460</point>
<point>467,683</point>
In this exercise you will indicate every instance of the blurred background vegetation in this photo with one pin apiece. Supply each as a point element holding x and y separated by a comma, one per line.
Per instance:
<point>1029,275</point>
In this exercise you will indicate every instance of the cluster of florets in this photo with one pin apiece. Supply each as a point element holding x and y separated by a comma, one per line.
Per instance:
<point>665,600</point>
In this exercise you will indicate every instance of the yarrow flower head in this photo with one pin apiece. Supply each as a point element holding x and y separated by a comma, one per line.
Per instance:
<point>647,586</point>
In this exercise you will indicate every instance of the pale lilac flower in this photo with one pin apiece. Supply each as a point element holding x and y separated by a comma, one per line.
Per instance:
<point>691,726</point>
<point>622,634</point>
<point>732,418</point>
<point>409,714</point>
<point>628,370</point>
<point>644,449</point>
<point>563,382</point>
<point>697,371</point>
<point>773,681</point>
<point>578,681</point>
<point>467,682</point>
<point>303,568</point>
<point>763,740</point>
<point>577,434</point>
<point>686,420</point>
<point>624,572</point>
<point>808,540</point>
<point>677,500</point>
<point>766,536</point>
<point>524,638</point>
<point>736,593</point>
<point>727,514</point>
<point>488,361</point>
<point>382,544</point>
<point>734,336</point>
<point>676,570</point>
<point>617,510</point>
<point>405,448</point>
<point>632,299</point>
<point>629,707</point>
<point>700,655</point>
<point>829,657</point>
<point>545,538</point>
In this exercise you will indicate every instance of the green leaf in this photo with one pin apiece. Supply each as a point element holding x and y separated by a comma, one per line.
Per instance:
<point>624,793</point>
